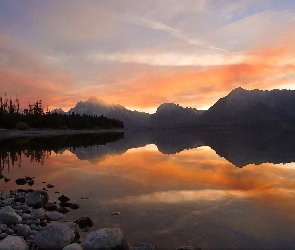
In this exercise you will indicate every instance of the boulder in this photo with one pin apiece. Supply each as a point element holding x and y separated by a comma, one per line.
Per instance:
<point>38,213</point>
<point>7,209</point>
<point>23,230</point>
<point>19,198</point>
<point>37,199</point>
<point>105,238</point>
<point>55,236</point>
<point>13,243</point>
<point>10,218</point>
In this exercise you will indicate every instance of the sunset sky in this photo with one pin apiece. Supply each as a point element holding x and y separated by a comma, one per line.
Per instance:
<point>144,53</point>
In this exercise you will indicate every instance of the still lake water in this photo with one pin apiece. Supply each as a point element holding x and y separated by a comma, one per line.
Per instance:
<point>207,189</point>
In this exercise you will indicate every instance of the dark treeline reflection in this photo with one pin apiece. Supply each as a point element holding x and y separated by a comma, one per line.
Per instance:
<point>238,147</point>
<point>37,149</point>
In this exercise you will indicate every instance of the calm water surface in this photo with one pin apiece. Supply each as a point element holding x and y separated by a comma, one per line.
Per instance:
<point>172,188</point>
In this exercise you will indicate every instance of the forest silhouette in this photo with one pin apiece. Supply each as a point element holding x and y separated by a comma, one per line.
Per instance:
<point>34,117</point>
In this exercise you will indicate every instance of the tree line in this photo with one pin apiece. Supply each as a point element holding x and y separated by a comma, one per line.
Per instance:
<point>34,117</point>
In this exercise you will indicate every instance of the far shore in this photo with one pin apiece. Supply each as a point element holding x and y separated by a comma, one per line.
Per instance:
<point>14,133</point>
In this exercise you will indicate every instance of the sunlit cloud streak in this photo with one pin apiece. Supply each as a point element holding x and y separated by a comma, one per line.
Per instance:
<point>171,31</point>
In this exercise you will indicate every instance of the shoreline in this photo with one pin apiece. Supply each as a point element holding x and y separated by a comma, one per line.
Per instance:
<point>14,133</point>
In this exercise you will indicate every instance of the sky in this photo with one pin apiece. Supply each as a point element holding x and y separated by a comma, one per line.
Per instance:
<point>144,53</point>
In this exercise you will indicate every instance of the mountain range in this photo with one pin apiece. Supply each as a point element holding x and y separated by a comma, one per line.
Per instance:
<point>239,108</point>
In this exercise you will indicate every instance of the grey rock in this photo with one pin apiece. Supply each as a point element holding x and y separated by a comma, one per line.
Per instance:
<point>37,221</point>
<point>54,216</point>
<point>38,213</point>
<point>9,231</point>
<point>13,243</point>
<point>20,212</point>
<point>50,206</point>
<point>8,201</point>
<point>7,209</point>
<point>38,228</point>
<point>26,216</point>
<point>10,218</point>
<point>37,199</point>
<point>29,222</point>
<point>74,227</point>
<point>54,236</point>
<point>2,197</point>
<point>3,236</point>
<point>26,208</point>
<point>19,198</point>
<point>142,246</point>
<point>105,238</point>
<point>23,230</point>
<point>73,246</point>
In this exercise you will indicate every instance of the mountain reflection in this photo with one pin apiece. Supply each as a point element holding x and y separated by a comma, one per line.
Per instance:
<point>238,147</point>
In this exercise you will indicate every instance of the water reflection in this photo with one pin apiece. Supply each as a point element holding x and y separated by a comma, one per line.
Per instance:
<point>182,194</point>
<point>239,148</point>
<point>37,149</point>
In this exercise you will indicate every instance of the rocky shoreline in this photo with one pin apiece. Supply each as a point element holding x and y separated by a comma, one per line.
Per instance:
<point>28,220</point>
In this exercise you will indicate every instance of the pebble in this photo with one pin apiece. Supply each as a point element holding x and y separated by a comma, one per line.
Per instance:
<point>54,216</point>
<point>63,198</point>
<point>75,206</point>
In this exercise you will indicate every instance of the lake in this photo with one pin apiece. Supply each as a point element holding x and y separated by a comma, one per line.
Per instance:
<point>211,189</point>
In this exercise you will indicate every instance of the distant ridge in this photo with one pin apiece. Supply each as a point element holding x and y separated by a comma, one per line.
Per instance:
<point>170,115</point>
<point>95,106</point>
<point>251,107</point>
<point>239,108</point>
